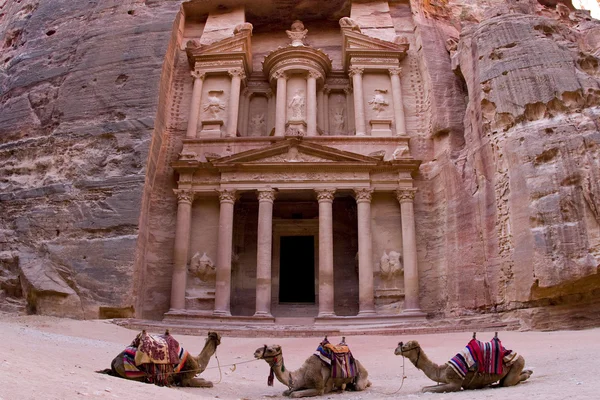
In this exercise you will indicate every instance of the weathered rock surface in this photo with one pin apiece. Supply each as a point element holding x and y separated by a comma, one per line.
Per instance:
<point>504,105</point>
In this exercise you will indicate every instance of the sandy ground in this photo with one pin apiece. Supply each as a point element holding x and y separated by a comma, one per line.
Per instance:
<point>50,358</point>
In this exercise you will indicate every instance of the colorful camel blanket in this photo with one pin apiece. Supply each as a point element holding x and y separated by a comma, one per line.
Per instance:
<point>482,357</point>
<point>152,372</point>
<point>339,358</point>
<point>156,349</point>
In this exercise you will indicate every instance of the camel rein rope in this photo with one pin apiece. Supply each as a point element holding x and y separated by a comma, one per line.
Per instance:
<point>403,374</point>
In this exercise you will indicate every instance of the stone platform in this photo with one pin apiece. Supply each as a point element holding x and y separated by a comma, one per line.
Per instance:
<point>308,327</point>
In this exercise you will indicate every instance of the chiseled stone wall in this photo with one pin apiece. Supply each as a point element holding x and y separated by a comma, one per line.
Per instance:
<point>501,101</point>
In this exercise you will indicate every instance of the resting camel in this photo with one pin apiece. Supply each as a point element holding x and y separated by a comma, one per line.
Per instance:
<point>187,376</point>
<point>452,381</point>
<point>313,378</point>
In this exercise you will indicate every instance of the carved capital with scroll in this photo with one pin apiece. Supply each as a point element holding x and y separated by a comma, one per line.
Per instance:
<point>406,195</point>
<point>236,72</point>
<point>184,195</point>
<point>396,71</point>
<point>355,71</point>
<point>227,195</point>
<point>363,195</point>
<point>198,75</point>
<point>266,194</point>
<point>324,195</point>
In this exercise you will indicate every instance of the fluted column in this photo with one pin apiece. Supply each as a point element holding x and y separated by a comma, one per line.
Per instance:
<point>245,109</point>
<point>326,92</point>
<point>326,284</point>
<point>280,103</point>
<point>366,302</point>
<point>225,243</point>
<point>263,252</point>
<point>237,74</point>
<point>359,104</point>
<point>181,248</point>
<point>398,102</point>
<point>409,251</point>
<point>270,112</point>
<point>349,110</point>
<point>195,105</point>
<point>320,110</point>
<point>311,104</point>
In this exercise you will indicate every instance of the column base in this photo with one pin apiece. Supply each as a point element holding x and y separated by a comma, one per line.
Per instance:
<point>262,314</point>
<point>221,313</point>
<point>413,312</point>
<point>326,314</point>
<point>366,313</point>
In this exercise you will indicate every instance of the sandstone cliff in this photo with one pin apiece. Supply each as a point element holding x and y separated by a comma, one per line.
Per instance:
<point>508,205</point>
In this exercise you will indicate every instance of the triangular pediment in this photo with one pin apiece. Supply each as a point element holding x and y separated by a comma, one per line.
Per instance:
<point>294,151</point>
<point>359,44</point>
<point>237,46</point>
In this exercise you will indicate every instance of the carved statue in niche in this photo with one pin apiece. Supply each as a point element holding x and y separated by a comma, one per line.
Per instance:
<point>338,120</point>
<point>202,267</point>
<point>391,265</point>
<point>296,106</point>
<point>257,123</point>
<point>378,102</point>
<point>297,33</point>
<point>214,105</point>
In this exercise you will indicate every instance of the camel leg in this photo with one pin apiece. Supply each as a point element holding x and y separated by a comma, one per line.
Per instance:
<point>516,373</point>
<point>198,382</point>
<point>444,387</point>
<point>306,393</point>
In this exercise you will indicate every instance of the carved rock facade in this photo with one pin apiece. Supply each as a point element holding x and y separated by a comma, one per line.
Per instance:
<point>490,112</point>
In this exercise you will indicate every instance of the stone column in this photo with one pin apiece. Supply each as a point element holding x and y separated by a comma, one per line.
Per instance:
<point>409,251</point>
<point>325,198</point>
<point>359,104</point>
<point>326,92</point>
<point>320,110</point>
<point>366,301</point>
<point>225,243</point>
<point>349,110</point>
<point>311,104</point>
<point>263,252</point>
<point>237,74</point>
<point>398,103</point>
<point>245,109</point>
<point>270,112</point>
<point>181,248</point>
<point>280,103</point>
<point>195,105</point>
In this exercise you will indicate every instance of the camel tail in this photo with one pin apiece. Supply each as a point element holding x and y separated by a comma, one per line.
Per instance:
<point>107,371</point>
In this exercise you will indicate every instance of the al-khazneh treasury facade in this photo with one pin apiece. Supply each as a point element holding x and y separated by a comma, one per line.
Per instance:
<point>291,169</point>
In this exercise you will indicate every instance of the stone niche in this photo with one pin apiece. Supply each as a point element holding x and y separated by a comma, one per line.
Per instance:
<point>213,106</point>
<point>379,106</point>
<point>258,116</point>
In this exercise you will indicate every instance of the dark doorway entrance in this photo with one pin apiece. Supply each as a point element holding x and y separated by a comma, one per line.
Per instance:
<point>297,269</point>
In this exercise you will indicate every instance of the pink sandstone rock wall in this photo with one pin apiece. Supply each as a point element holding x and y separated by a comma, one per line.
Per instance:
<point>503,109</point>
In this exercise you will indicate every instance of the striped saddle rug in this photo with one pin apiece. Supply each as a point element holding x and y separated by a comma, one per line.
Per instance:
<point>339,358</point>
<point>481,357</point>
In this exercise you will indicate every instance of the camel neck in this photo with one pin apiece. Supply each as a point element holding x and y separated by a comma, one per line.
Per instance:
<point>422,362</point>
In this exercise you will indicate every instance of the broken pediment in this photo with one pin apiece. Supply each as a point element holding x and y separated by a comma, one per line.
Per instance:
<point>236,48</point>
<point>359,46</point>
<point>294,151</point>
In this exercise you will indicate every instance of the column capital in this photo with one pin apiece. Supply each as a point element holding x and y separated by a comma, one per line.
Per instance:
<point>355,71</point>
<point>348,90</point>
<point>313,74</point>
<point>236,72</point>
<point>269,93</point>
<point>325,194</point>
<point>406,195</point>
<point>266,194</point>
<point>280,74</point>
<point>326,89</point>
<point>198,74</point>
<point>396,71</point>
<point>363,195</point>
<point>227,195</point>
<point>184,195</point>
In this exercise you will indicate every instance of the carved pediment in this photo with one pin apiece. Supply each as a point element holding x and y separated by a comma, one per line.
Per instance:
<point>359,45</point>
<point>294,151</point>
<point>237,47</point>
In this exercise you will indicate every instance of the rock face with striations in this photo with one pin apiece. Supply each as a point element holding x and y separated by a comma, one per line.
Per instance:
<point>508,201</point>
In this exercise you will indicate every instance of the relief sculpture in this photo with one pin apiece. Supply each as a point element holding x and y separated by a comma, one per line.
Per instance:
<point>391,265</point>
<point>378,102</point>
<point>202,267</point>
<point>214,105</point>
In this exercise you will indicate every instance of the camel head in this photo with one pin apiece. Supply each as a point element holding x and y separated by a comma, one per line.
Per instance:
<point>404,348</point>
<point>214,336</point>
<point>267,352</point>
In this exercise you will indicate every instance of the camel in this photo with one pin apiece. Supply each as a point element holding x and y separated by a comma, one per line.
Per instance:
<point>451,381</point>
<point>313,378</point>
<point>187,376</point>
